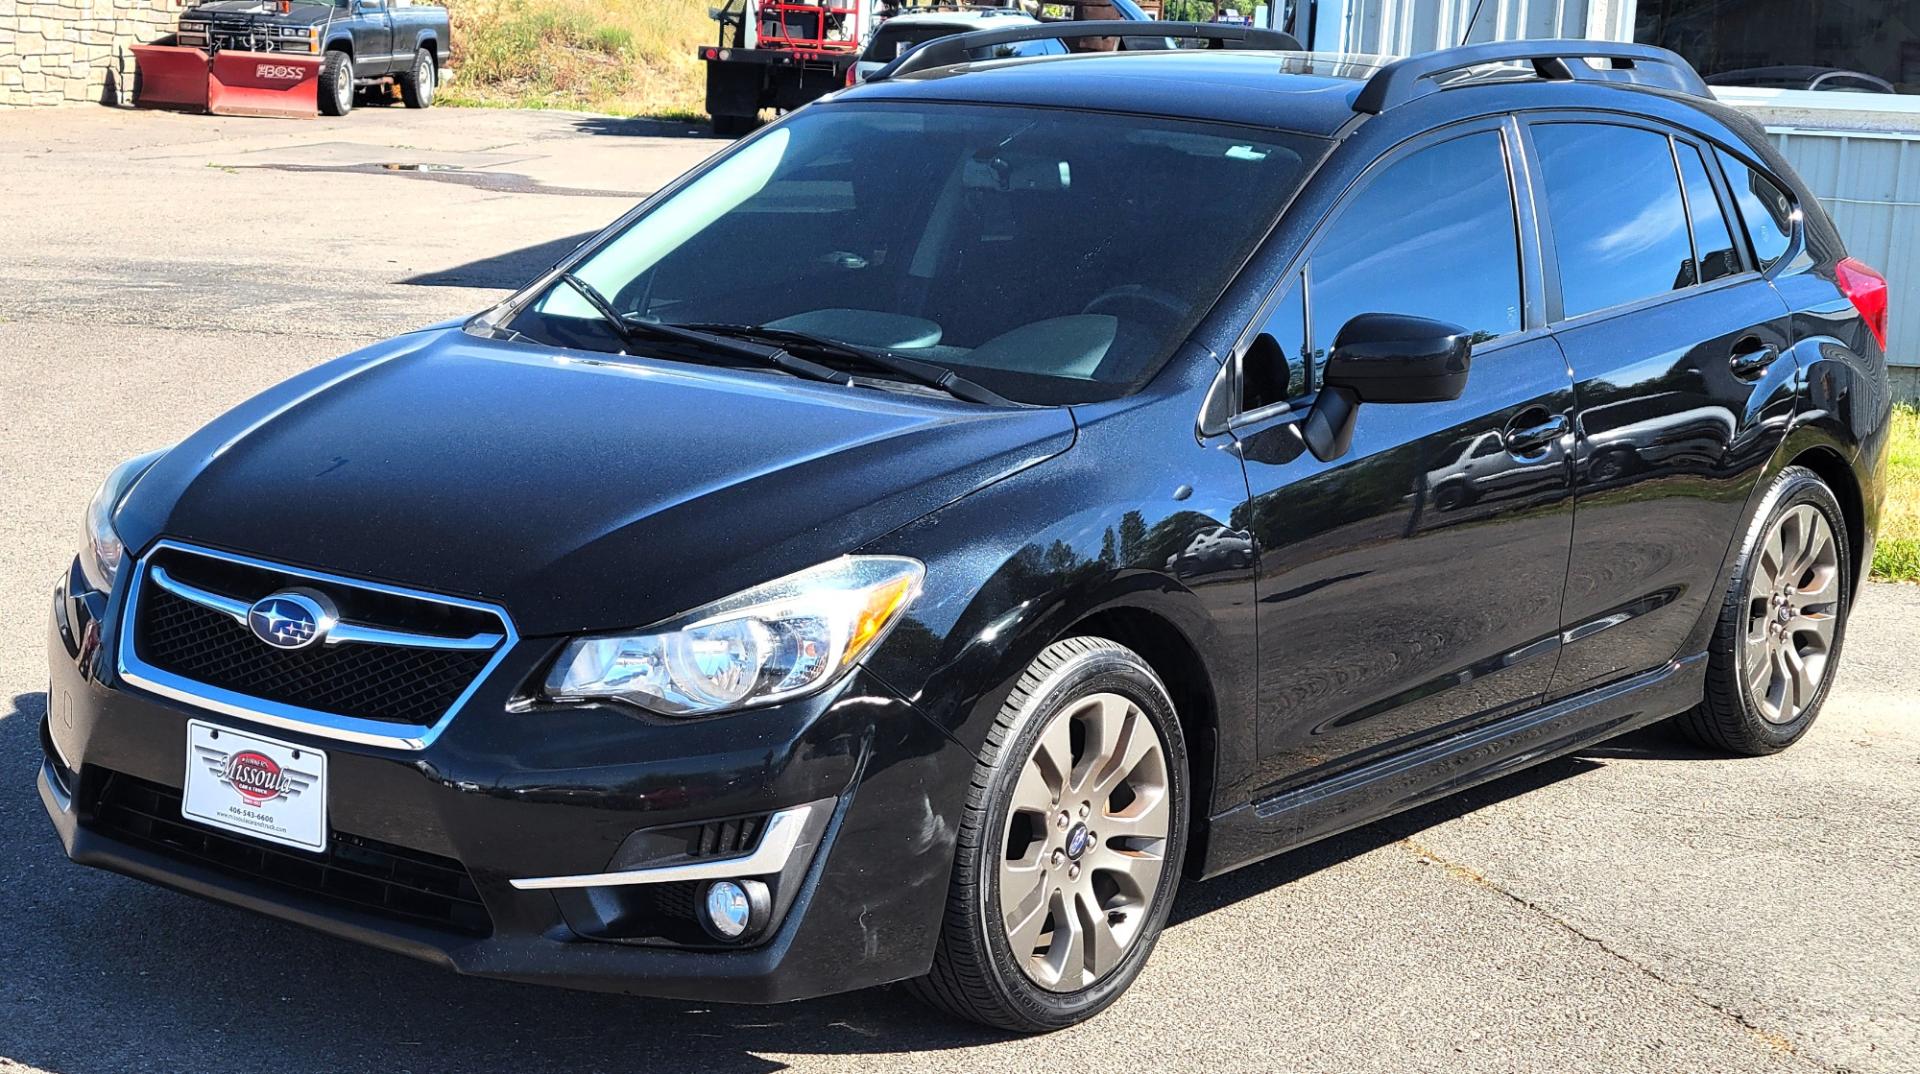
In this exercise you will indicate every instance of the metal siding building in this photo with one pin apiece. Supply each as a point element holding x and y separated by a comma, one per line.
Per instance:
<point>1862,163</point>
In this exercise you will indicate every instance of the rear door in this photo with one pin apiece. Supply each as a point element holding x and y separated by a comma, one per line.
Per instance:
<point>1411,586</point>
<point>1679,352</point>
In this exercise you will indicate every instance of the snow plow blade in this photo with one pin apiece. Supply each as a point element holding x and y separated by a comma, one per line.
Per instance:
<point>264,84</point>
<point>228,83</point>
<point>170,77</point>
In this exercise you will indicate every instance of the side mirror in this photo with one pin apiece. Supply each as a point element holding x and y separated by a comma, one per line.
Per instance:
<point>1392,358</point>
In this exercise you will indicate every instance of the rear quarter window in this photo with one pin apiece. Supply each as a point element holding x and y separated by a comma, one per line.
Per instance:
<point>1765,209</point>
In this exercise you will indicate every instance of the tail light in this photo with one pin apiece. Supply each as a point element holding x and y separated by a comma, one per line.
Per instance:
<point>853,73</point>
<point>1867,290</point>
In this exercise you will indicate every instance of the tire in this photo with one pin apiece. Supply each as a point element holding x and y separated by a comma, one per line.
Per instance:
<point>1789,593</point>
<point>418,84</point>
<point>734,126</point>
<point>336,84</point>
<point>1077,695</point>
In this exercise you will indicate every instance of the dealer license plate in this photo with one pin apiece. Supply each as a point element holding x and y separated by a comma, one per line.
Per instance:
<point>256,786</point>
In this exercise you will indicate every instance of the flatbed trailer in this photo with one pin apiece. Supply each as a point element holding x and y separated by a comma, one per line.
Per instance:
<point>778,54</point>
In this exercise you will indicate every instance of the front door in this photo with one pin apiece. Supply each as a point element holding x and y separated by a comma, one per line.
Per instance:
<point>373,39</point>
<point>1411,586</point>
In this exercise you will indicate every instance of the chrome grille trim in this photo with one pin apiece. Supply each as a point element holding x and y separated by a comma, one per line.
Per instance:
<point>342,632</point>
<point>137,672</point>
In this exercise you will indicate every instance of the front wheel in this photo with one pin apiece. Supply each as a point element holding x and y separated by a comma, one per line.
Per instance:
<point>336,84</point>
<point>417,86</point>
<point>1070,849</point>
<point>1775,647</point>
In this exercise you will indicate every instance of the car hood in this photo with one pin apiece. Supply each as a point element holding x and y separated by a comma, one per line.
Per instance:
<point>580,493</point>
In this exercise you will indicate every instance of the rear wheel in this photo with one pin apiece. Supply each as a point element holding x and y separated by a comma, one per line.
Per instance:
<point>336,84</point>
<point>1070,850</point>
<point>1775,647</point>
<point>418,84</point>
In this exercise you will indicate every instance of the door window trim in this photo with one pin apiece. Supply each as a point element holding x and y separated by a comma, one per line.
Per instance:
<point>1217,417</point>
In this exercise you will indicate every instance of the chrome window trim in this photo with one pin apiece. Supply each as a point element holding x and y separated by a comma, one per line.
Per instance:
<point>782,836</point>
<point>137,672</point>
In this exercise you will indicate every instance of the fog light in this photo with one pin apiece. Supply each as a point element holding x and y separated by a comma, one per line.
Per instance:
<point>735,910</point>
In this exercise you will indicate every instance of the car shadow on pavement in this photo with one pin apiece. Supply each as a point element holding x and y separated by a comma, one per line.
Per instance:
<point>508,271</point>
<point>100,974</point>
<point>1223,891</point>
<point>644,127</point>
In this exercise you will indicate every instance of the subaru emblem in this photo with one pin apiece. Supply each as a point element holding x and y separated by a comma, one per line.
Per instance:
<point>292,619</point>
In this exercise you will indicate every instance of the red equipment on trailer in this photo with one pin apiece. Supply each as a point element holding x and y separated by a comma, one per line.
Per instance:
<point>778,54</point>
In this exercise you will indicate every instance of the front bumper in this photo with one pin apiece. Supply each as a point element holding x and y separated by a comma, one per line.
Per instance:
<point>510,794</point>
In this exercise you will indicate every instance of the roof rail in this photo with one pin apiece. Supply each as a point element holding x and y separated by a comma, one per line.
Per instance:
<point>1565,60</point>
<point>959,48</point>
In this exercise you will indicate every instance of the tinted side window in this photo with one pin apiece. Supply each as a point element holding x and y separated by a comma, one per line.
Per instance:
<point>1765,209</point>
<point>1619,226</point>
<point>1712,239</point>
<point>1432,236</point>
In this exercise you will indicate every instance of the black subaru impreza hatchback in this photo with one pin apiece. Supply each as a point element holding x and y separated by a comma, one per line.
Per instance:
<point>906,546</point>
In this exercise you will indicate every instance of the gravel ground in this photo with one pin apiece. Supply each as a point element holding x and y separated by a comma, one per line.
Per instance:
<point>1641,907</point>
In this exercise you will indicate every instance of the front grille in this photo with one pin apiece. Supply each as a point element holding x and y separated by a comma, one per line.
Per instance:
<point>396,684</point>
<point>361,874</point>
<point>374,682</point>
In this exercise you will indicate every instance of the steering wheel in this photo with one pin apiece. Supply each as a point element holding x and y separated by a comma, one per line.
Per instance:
<point>1144,303</point>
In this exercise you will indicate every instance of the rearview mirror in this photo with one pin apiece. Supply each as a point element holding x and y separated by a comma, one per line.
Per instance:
<point>1393,358</point>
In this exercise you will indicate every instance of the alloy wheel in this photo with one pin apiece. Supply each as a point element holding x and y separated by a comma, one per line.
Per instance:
<point>1085,842</point>
<point>425,83</point>
<point>1793,612</point>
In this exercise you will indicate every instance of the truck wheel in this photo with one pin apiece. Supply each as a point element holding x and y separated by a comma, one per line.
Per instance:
<point>734,126</point>
<point>336,84</point>
<point>417,84</point>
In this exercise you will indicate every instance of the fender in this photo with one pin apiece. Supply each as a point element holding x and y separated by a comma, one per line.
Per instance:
<point>1099,541</point>
<point>1840,429</point>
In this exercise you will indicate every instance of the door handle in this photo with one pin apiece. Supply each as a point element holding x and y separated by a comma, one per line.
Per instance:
<point>1537,433</point>
<point>1751,356</point>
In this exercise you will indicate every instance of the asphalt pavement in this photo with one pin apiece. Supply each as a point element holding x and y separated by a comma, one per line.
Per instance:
<point>1640,907</point>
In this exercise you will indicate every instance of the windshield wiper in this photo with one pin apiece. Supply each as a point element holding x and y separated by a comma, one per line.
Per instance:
<point>929,374</point>
<point>630,329</point>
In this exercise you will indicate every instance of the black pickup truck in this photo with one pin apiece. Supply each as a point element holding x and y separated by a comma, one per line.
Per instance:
<point>365,42</point>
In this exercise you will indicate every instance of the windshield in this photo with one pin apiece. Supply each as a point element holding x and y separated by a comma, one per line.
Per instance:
<point>1053,256</point>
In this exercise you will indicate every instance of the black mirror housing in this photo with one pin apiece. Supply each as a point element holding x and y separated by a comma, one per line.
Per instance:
<point>1394,358</point>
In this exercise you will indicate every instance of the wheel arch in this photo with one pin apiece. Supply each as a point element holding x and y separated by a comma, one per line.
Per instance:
<point>1827,462</point>
<point>339,44</point>
<point>1174,657</point>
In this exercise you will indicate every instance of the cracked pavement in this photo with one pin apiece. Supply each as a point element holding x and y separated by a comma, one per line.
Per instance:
<point>1639,907</point>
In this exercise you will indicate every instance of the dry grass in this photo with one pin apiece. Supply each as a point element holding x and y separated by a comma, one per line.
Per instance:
<point>1896,555</point>
<point>623,57</point>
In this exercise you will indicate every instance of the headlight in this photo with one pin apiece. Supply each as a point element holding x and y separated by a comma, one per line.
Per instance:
<point>775,641</point>
<point>100,548</point>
